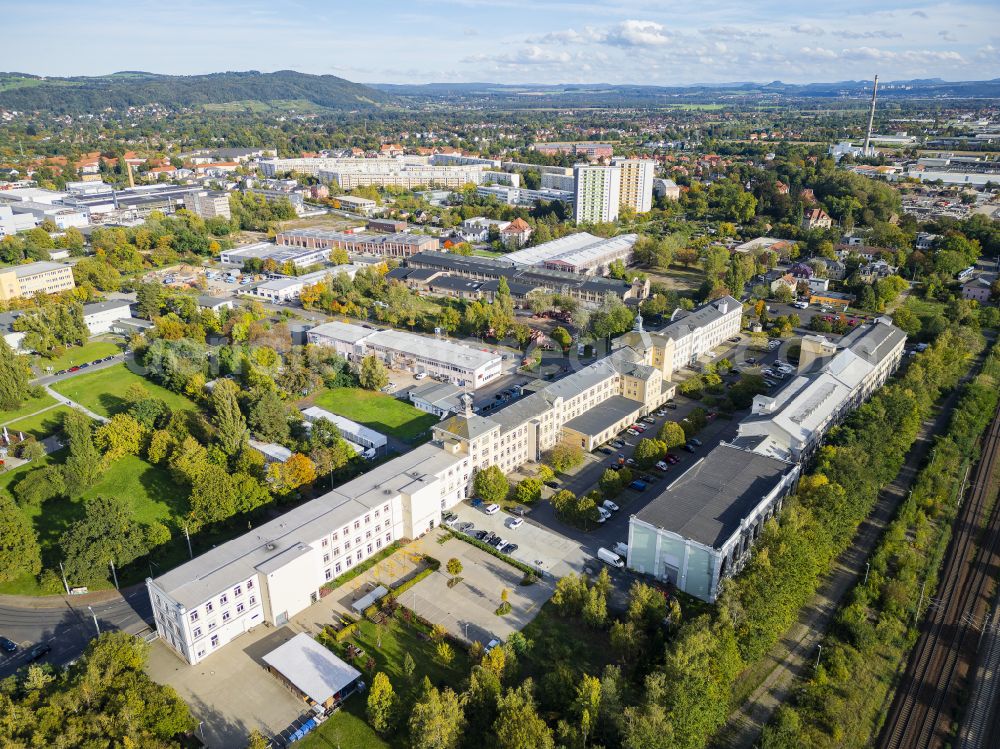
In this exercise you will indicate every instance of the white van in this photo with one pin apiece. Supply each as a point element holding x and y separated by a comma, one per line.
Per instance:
<point>609,557</point>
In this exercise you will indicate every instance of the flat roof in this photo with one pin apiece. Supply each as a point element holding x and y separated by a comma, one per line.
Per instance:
<point>342,331</point>
<point>96,307</point>
<point>33,269</point>
<point>708,501</point>
<point>604,415</point>
<point>343,424</point>
<point>311,668</point>
<point>573,249</point>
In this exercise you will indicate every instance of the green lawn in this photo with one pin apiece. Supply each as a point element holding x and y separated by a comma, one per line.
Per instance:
<point>88,352</point>
<point>28,407</point>
<point>378,411</point>
<point>150,490</point>
<point>102,391</point>
<point>346,728</point>
<point>40,425</point>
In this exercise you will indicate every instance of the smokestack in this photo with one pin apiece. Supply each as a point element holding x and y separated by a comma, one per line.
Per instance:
<point>871,119</point>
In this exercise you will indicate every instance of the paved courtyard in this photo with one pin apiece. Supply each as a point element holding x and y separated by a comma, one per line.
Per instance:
<point>230,693</point>
<point>467,610</point>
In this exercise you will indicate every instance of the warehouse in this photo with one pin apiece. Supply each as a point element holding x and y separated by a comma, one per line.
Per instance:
<point>300,257</point>
<point>700,529</point>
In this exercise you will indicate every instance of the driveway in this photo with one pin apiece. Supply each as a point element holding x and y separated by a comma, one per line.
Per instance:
<point>467,610</point>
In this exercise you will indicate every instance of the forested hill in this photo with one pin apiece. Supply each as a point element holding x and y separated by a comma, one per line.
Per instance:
<point>283,89</point>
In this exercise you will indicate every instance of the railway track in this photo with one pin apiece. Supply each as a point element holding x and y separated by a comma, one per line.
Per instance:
<point>919,715</point>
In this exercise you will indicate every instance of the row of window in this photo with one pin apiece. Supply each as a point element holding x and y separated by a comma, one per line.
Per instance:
<point>223,599</point>
<point>226,616</point>
<point>347,562</point>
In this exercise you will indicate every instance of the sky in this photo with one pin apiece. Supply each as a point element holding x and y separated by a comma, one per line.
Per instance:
<point>661,42</point>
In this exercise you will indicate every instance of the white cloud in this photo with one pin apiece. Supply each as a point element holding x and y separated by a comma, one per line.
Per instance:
<point>638,34</point>
<point>867,34</point>
<point>808,28</point>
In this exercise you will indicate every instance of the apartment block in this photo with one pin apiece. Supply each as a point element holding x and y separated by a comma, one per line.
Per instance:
<point>597,193</point>
<point>209,205</point>
<point>636,190</point>
<point>35,278</point>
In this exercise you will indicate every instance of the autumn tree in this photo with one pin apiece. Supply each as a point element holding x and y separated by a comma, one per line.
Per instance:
<point>436,719</point>
<point>381,707</point>
<point>19,552</point>
<point>491,485</point>
<point>518,725</point>
<point>120,436</point>
<point>14,378</point>
<point>372,374</point>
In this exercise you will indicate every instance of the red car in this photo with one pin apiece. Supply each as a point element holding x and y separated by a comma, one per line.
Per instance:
<point>74,369</point>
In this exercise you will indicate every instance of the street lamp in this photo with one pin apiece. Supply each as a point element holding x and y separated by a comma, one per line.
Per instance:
<point>867,568</point>
<point>96,625</point>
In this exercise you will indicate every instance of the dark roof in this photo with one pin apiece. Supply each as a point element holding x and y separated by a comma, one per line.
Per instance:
<point>604,415</point>
<point>708,501</point>
<point>455,283</point>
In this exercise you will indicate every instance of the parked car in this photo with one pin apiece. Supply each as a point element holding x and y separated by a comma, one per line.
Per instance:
<point>419,375</point>
<point>671,406</point>
<point>61,372</point>
<point>7,645</point>
<point>498,543</point>
<point>734,339</point>
<point>633,432</point>
<point>661,413</point>
<point>492,644</point>
<point>491,509</point>
<point>609,557</point>
<point>39,651</point>
<point>620,548</point>
<point>480,535</point>
<point>618,444</point>
<point>689,447</point>
<point>695,441</point>
<point>630,461</point>
<point>552,484</point>
<point>515,523</point>
<point>672,459</point>
<point>801,305</point>
<point>662,465</point>
<point>607,451</point>
<point>508,549</point>
<point>649,419</point>
<point>751,360</point>
<point>477,502</point>
<point>638,486</point>
<point>602,515</point>
<point>465,527</point>
<point>609,505</point>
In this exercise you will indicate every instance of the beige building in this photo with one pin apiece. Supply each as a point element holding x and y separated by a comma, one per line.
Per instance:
<point>35,278</point>
<point>637,183</point>
<point>210,205</point>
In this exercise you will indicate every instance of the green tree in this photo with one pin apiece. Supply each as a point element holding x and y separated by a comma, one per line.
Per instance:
<point>257,740</point>
<point>454,566</point>
<point>564,457</point>
<point>381,707</point>
<point>107,533</point>
<point>672,435</point>
<point>14,378</point>
<point>561,337</point>
<point>587,706</point>
<point>269,417</point>
<point>436,719</point>
<point>528,491</point>
<point>649,451</point>
<point>491,485</point>
<point>19,552</point>
<point>372,375</point>
<point>120,436</point>
<point>232,427</point>
<point>83,466</point>
<point>518,725</point>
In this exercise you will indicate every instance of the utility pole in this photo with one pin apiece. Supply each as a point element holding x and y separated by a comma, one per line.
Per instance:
<point>871,119</point>
<point>96,625</point>
<point>868,567</point>
<point>114,574</point>
<point>188,537</point>
<point>919,602</point>
<point>63,572</point>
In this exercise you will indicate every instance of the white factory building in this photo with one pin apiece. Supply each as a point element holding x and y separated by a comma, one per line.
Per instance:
<point>289,288</point>
<point>100,316</point>
<point>577,253</point>
<point>463,365</point>
<point>275,571</point>
<point>300,257</point>
<point>352,431</point>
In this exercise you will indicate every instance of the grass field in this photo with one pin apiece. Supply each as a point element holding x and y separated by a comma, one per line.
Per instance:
<point>345,728</point>
<point>102,391</point>
<point>150,490</point>
<point>28,407</point>
<point>40,425</point>
<point>88,352</point>
<point>378,411</point>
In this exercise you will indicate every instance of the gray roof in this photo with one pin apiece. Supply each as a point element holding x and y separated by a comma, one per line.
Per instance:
<point>211,301</point>
<point>312,668</point>
<point>708,501</point>
<point>606,414</point>
<point>31,269</point>
<point>683,321</point>
<point>92,309</point>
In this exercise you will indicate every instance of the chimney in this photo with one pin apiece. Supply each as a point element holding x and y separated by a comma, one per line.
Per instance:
<point>467,401</point>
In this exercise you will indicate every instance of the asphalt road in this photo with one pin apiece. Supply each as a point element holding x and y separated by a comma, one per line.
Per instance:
<point>66,623</point>
<point>53,378</point>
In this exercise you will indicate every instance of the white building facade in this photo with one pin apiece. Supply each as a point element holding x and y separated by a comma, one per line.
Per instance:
<point>597,193</point>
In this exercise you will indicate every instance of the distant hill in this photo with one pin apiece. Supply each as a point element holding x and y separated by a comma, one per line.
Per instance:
<point>250,89</point>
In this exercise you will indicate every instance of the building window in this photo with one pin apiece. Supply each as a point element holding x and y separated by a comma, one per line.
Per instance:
<point>357,524</point>
<point>336,568</point>
<point>223,599</point>
<point>347,561</point>
<point>201,653</point>
<point>347,545</point>
<point>253,600</point>
<point>368,519</point>
<point>225,616</point>
<point>369,548</point>
<point>194,616</point>
<point>239,608</point>
<point>238,591</point>
<point>368,534</point>
<point>385,508</point>
<point>378,543</point>
<point>209,606</point>
<point>215,641</point>
<point>249,584</point>
<point>212,625</point>
<point>326,558</point>
<point>329,574</point>
<point>197,632</point>
<point>325,543</point>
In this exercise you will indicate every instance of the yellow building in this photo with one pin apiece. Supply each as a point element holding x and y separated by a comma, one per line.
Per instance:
<point>34,278</point>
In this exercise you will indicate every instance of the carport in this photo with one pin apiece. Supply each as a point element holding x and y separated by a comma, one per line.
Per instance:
<point>312,671</point>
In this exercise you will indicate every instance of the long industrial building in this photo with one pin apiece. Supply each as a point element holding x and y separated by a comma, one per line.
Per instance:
<point>577,253</point>
<point>463,365</point>
<point>700,529</point>
<point>399,245</point>
<point>43,277</point>
<point>275,571</point>
<point>406,171</point>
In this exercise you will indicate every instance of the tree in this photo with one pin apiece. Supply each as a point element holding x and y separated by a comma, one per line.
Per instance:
<point>409,665</point>
<point>107,533</point>
<point>672,435</point>
<point>454,566</point>
<point>444,653</point>
<point>83,466</point>
<point>561,337</point>
<point>14,378</point>
<point>436,719</point>
<point>233,433</point>
<point>381,706</point>
<point>120,436</point>
<point>257,740</point>
<point>289,475</point>
<point>648,451</point>
<point>564,457</point>
<point>587,705</point>
<point>518,725</point>
<point>19,552</point>
<point>491,485</point>
<point>610,484</point>
<point>528,490</point>
<point>372,375</point>
<point>269,417</point>
<point>595,608</point>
